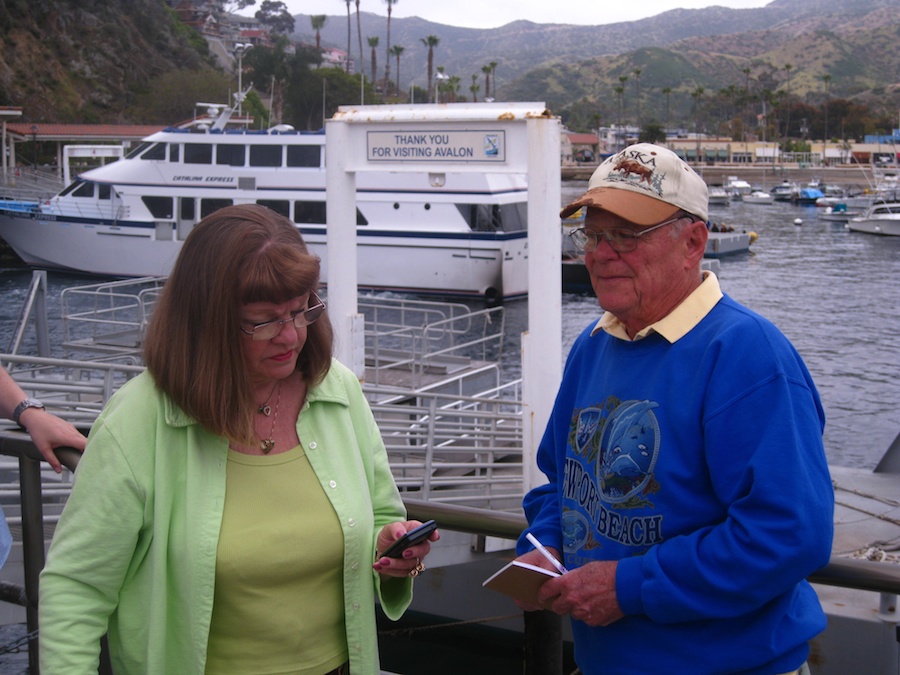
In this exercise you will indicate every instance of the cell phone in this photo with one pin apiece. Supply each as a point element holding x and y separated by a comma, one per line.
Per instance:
<point>411,538</point>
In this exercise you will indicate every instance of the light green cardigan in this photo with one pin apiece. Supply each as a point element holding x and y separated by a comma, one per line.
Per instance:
<point>135,549</point>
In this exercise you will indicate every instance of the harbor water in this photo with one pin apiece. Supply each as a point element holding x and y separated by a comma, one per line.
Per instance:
<point>834,293</point>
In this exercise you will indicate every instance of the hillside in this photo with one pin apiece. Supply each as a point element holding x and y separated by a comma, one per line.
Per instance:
<point>91,60</point>
<point>762,35</point>
<point>85,60</point>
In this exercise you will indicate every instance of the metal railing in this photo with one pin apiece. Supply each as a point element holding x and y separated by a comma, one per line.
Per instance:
<point>409,343</point>
<point>542,651</point>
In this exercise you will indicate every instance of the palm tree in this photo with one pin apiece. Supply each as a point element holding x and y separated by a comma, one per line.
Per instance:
<point>486,69</point>
<point>622,80</point>
<point>826,79</point>
<point>787,124</point>
<point>318,23</point>
<point>746,72</point>
<point>347,65</point>
<point>620,95</point>
<point>387,65</point>
<point>474,87</point>
<point>697,95</point>
<point>667,91</point>
<point>431,42</point>
<point>359,35</point>
<point>373,43</point>
<point>453,86</point>
<point>396,51</point>
<point>637,86</point>
<point>493,65</point>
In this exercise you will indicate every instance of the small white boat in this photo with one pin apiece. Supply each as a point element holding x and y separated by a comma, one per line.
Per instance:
<point>718,196</point>
<point>839,213</point>
<point>758,197</point>
<point>880,218</point>
<point>737,188</point>
<point>785,192</point>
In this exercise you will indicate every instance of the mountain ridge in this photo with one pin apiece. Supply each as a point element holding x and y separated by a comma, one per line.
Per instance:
<point>89,60</point>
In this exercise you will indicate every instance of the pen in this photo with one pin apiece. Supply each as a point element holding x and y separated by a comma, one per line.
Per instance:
<point>544,552</point>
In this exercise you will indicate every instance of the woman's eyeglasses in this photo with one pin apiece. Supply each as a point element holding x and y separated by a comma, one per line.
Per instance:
<point>269,329</point>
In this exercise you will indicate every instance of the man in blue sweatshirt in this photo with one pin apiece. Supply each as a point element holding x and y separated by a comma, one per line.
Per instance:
<point>688,495</point>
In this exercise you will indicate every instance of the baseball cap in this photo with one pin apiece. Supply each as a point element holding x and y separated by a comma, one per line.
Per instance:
<point>644,184</point>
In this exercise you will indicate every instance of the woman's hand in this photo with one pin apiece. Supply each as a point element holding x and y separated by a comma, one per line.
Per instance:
<point>49,431</point>
<point>410,564</point>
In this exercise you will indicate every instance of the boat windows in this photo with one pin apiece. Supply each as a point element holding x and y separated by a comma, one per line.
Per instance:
<point>265,155</point>
<point>138,150</point>
<point>84,190</point>
<point>103,191</point>
<point>197,153</point>
<point>208,206</point>
<point>72,186</point>
<point>514,217</point>
<point>495,217</point>
<point>157,151</point>
<point>174,152</point>
<point>231,155</point>
<point>304,155</point>
<point>282,206</point>
<point>313,213</point>
<point>187,208</point>
<point>160,207</point>
<point>309,213</point>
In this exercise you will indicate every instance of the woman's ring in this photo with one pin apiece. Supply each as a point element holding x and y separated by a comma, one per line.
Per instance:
<point>419,568</point>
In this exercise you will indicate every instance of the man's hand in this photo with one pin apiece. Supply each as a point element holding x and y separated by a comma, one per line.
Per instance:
<point>587,593</point>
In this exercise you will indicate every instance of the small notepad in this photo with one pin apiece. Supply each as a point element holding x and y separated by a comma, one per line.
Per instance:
<point>520,581</point>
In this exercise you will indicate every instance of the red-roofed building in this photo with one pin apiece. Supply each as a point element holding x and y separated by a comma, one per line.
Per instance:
<point>579,148</point>
<point>72,134</point>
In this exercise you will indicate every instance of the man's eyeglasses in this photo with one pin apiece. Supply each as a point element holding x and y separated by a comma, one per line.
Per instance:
<point>620,239</point>
<point>269,329</point>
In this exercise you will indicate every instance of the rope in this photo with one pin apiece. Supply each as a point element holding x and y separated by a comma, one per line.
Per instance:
<point>408,632</point>
<point>23,641</point>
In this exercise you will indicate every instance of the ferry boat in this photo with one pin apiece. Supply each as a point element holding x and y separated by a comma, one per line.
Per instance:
<point>465,235</point>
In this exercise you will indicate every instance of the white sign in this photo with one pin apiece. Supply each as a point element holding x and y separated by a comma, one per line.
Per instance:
<point>436,146</point>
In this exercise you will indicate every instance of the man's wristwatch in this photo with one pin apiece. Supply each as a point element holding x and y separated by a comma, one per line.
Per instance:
<point>23,406</point>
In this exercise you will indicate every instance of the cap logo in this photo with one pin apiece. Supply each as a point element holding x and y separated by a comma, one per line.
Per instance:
<point>635,168</point>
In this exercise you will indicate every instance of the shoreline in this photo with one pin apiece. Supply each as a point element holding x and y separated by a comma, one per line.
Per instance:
<point>843,175</point>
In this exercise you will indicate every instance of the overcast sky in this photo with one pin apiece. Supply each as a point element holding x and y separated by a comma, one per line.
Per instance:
<point>493,13</point>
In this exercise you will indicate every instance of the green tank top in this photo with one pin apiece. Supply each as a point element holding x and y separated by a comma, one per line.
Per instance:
<point>279,602</point>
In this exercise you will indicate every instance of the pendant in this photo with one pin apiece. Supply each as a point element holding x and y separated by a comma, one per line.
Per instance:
<point>264,409</point>
<point>266,445</point>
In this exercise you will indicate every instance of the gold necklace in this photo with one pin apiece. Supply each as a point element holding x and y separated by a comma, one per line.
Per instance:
<point>266,444</point>
<point>264,407</point>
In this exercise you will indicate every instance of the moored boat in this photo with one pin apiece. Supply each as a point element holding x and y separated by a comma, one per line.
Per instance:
<point>785,191</point>
<point>882,217</point>
<point>758,197</point>
<point>839,213</point>
<point>718,196</point>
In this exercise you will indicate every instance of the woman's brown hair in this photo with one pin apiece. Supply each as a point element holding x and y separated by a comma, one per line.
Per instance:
<point>236,255</point>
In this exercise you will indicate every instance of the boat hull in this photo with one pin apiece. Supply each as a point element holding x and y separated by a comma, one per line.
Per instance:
<point>889,227</point>
<point>489,265</point>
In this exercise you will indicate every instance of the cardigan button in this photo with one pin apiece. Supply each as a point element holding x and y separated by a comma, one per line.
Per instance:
<point>312,445</point>
<point>332,483</point>
<point>351,522</point>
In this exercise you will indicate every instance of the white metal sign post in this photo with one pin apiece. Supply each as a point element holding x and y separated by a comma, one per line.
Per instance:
<point>443,139</point>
